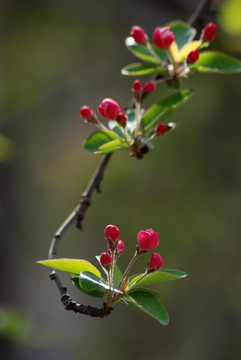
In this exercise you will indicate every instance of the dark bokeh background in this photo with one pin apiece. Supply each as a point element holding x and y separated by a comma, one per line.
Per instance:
<point>57,56</point>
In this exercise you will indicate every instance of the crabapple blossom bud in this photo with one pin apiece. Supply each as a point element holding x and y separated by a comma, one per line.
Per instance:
<point>209,32</point>
<point>138,34</point>
<point>136,87</point>
<point>149,86</point>
<point>105,259</point>
<point>155,262</point>
<point>193,56</point>
<point>120,247</point>
<point>121,119</point>
<point>136,90</point>
<point>163,37</point>
<point>112,233</point>
<point>161,129</point>
<point>147,239</point>
<point>109,109</point>
<point>86,112</point>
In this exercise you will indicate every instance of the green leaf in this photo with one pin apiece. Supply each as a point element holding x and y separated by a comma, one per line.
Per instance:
<point>183,32</point>
<point>116,128</point>
<point>212,61</point>
<point>163,109</point>
<point>149,302</point>
<point>99,138</point>
<point>91,284</point>
<point>139,69</point>
<point>141,51</point>
<point>112,146</point>
<point>72,266</point>
<point>158,276</point>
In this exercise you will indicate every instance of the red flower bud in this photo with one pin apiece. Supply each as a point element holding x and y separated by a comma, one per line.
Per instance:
<point>136,87</point>
<point>138,34</point>
<point>209,32</point>
<point>147,239</point>
<point>155,262</point>
<point>109,109</point>
<point>120,247</point>
<point>105,259</point>
<point>121,119</point>
<point>161,129</point>
<point>193,56</point>
<point>163,38</point>
<point>86,112</point>
<point>149,86</point>
<point>112,233</point>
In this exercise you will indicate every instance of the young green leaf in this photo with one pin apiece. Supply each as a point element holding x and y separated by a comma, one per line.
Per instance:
<point>116,128</point>
<point>149,302</point>
<point>90,283</point>
<point>99,138</point>
<point>112,146</point>
<point>212,61</point>
<point>158,276</point>
<point>141,51</point>
<point>183,32</point>
<point>72,266</point>
<point>159,112</point>
<point>139,69</point>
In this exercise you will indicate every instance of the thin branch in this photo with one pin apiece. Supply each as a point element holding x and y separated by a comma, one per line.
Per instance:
<point>200,10</point>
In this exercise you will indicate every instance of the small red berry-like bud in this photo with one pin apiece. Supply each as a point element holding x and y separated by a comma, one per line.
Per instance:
<point>149,86</point>
<point>209,32</point>
<point>121,119</point>
<point>155,262</point>
<point>193,56</point>
<point>136,90</point>
<point>163,38</point>
<point>109,109</point>
<point>138,34</point>
<point>161,129</point>
<point>136,87</point>
<point>112,233</point>
<point>120,247</point>
<point>147,239</point>
<point>86,112</point>
<point>105,259</point>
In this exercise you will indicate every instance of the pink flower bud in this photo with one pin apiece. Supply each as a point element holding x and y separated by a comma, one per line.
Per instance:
<point>121,119</point>
<point>163,38</point>
<point>136,87</point>
<point>109,109</point>
<point>147,239</point>
<point>105,259</point>
<point>86,112</point>
<point>193,56</point>
<point>155,262</point>
<point>112,233</point>
<point>120,247</point>
<point>209,32</point>
<point>161,129</point>
<point>149,86</point>
<point>138,34</point>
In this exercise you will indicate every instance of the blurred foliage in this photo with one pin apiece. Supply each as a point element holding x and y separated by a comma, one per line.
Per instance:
<point>7,149</point>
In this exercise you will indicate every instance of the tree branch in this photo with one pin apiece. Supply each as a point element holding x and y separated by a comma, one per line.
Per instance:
<point>200,10</point>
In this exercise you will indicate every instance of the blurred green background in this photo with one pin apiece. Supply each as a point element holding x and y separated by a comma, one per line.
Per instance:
<point>57,56</point>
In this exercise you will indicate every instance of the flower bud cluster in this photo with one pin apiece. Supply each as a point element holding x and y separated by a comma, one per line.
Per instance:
<point>146,240</point>
<point>163,38</point>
